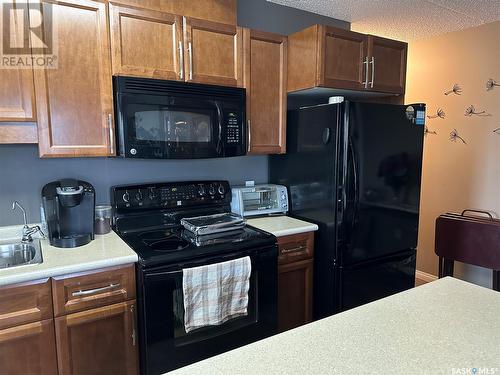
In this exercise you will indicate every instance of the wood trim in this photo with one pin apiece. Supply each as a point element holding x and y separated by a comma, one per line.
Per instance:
<point>25,303</point>
<point>118,67</point>
<point>18,133</point>
<point>424,277</point>
<point>64,286</point>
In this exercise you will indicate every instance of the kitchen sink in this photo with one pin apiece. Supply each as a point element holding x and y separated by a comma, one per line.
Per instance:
<point>20,254</point>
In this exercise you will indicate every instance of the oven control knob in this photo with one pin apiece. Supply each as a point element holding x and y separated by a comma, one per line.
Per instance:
<point>152,194</point>
<point>126,196</point>
<point>201,190</point>
<point>221,189</point>
<point>133,151</point>
<point>211,190</point>
<point>138,196</point>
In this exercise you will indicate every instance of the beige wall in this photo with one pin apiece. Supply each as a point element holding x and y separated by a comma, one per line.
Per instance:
<point>457,176</point>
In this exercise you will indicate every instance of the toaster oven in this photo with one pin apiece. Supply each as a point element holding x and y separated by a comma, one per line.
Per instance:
<point>256,200</point>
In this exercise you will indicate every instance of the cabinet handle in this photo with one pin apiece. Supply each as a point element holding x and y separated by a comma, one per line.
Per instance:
<point>111,134</point>
<point>365,82</point>
<point>372,61</point>
<point>294,249</point>
<point>96,290</point>
<point>249,135</point>
<point>181,57</point>
<point>190,50</point>
<point>134,339</point>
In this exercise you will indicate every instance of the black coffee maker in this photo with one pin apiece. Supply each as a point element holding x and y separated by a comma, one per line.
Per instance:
<point>69,212</point>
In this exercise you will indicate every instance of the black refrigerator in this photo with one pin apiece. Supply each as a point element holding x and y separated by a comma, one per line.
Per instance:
<point>354,169</point>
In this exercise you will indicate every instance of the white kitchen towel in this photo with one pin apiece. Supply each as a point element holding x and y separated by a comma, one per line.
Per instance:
<point>215,293</point>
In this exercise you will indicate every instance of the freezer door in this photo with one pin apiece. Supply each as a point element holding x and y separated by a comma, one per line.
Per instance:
<point>377,279</point>
<point>383,181</point>
<point>310,171</point>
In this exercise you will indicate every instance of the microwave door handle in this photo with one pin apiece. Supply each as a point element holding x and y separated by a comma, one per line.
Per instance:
<point>219,121</point>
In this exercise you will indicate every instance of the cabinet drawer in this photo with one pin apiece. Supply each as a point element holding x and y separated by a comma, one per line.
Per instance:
<point>295,247</point>
<point>82,291</point>
<point>25,303</point>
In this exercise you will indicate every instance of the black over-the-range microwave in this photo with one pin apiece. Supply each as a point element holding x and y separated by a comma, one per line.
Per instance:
<point>159,119</point>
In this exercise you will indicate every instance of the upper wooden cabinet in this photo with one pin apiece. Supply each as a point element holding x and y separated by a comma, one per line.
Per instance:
<point>223,11</point>
<point>146,43</point>
<point>213,52</point>
<point>387,64</point>
<point>265,67</point>
<point>325,56</point>
<point>74,101</point>
<point>17,95</point>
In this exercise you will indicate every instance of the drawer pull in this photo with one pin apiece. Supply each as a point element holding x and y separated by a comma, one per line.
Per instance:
<point>96,290</point>
<point>294,249</point>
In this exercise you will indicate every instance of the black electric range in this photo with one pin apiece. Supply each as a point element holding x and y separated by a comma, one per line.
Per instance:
<point>147,217</point>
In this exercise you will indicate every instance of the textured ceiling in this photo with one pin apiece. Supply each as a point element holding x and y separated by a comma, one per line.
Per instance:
<point>404,19</point>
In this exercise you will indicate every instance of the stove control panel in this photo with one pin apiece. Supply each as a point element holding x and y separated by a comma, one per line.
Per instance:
<point>170,195</point>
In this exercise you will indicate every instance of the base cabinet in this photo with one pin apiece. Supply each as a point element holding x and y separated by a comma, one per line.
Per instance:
<point>295,280</point>
<point>98,342</point>
<point>93,333</point>
<point>28,349</point>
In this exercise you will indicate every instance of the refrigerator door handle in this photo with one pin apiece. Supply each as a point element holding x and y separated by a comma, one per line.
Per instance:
<point>355,178</point>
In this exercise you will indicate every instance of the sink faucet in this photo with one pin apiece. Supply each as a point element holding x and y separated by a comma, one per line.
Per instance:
<point>28,231</point>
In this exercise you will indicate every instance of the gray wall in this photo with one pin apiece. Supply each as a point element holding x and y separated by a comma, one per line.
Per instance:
<point>22,173</point>
<point>265,16</point>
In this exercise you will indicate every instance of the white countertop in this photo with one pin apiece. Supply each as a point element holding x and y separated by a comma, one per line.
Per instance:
<point>282,225</point>
<point>442,327</point>
<point>104,251</point>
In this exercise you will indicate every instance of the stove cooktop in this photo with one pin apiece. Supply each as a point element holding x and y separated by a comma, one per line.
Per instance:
<point>176,244</point>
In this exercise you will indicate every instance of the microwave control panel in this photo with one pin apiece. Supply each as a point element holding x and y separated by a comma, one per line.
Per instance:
<point>233,128</point>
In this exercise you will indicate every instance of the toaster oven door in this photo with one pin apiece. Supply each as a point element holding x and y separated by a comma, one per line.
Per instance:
<point>261,200</point>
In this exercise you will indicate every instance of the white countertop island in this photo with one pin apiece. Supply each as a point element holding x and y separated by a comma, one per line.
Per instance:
<point>106,250</point>
<point>444,327</point>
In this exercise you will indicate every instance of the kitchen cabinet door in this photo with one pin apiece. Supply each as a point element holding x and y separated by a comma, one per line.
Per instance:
<point>28,349</point>
<point>100,341</point>
<point>74,101</point>
<point>387,60</point>
<point>146,43</point>
<point>265,66</point>
<point>17,94</point>
<point>295,283</point>
<point>213,52</point>
<point>342,59</point>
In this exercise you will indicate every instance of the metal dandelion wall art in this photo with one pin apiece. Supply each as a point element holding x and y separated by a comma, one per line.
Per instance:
<point>428,131</point>
<point>457,90</point>
<point>490,84</point>
<point>454,136</point>
<point>439,113</point>
<point>471,111</point>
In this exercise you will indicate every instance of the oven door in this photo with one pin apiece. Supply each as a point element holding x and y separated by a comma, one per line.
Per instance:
<point>165,345</point>
<point>159,126</point>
